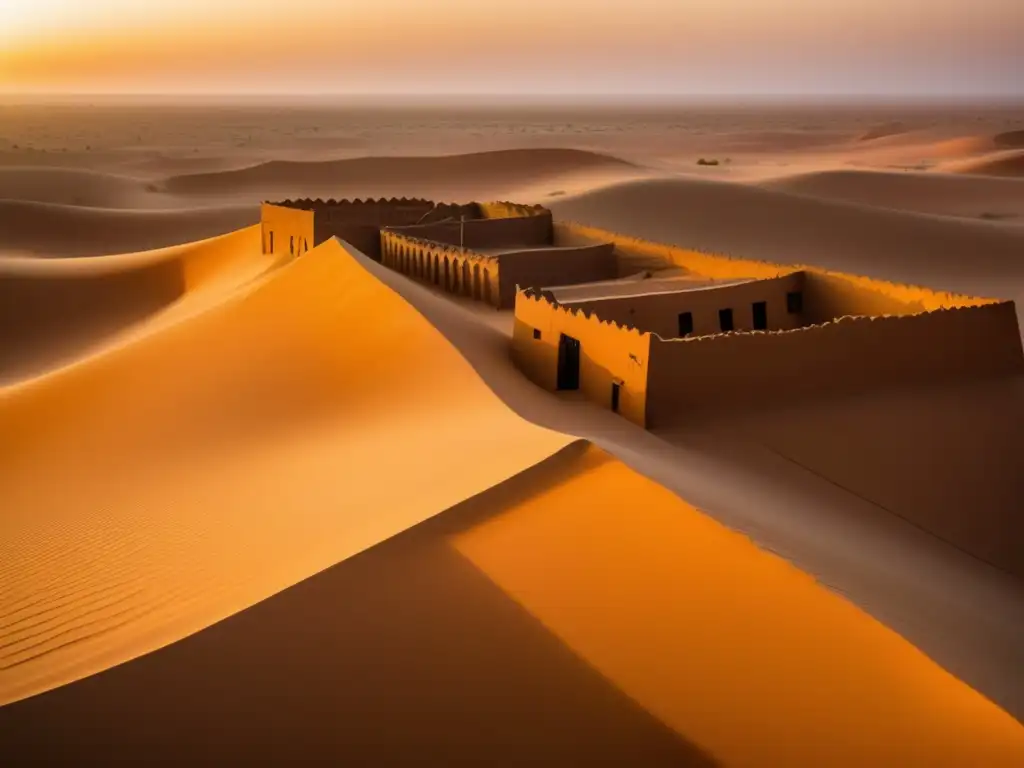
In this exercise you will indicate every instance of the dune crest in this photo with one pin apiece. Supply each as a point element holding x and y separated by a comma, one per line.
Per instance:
<point>941,193</point>
<point>1010,163</point>
<point>48,229</point>
<point>227,433</point>
<point>400,175</point>
<point>52,310</point>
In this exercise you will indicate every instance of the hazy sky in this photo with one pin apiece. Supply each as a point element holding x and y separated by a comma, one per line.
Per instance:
<point>696,47</point>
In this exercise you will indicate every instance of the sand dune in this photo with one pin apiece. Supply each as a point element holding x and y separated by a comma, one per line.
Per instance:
<point>946,194</point>
<point>395,175</point>
<point>53,310</point>
<point>973,257</point>
<point>1010,139</point>
<point>884,130</point>
<point>997,164</point>
<point>68,186</point>
<point>537,621</point>
<point>58,230</point>
<point>226,457</point>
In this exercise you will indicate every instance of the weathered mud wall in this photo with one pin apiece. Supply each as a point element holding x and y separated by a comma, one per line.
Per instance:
<point>286,229</point>
<point>540,268</point>
<point>745,370</point>
<point>359,221</point>
<point>455,270</point>
<point>609,353</point>
<point>659,312</point>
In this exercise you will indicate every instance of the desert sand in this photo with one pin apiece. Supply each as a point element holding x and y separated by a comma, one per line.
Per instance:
<point>257,509</point>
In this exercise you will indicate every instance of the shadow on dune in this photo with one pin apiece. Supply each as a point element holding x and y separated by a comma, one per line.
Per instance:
<point>66,230</point>
<point>963,613</point>
<point>404,654</point>
<point>55,317</point>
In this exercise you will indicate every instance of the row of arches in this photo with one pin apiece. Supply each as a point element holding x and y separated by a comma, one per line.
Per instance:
<point>445,269</point>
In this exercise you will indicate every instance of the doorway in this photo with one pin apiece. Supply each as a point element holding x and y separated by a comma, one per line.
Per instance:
<point>615,396</point>
<point>568,362</point>
<point>725,320</point>
<point>760,315</point>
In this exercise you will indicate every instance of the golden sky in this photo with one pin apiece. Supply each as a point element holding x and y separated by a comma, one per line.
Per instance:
<point>528,46</point>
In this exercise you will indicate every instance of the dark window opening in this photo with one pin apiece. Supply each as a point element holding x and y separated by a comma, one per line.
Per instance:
<point>568,362</point>
<point>536,333</point>
<point>271,242</point>
<point>725,320</point>
<point>760,315</point>
<point>685,323</point>
<point>305,245</point>
<point>291,245</point>
<point>794,302</point>
<point>615,397</point>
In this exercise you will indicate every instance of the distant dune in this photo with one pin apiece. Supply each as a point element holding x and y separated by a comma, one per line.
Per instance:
<point>997,164</point>
<point>52,310</point>
<point>1010,139</point>
<point>884,130</point>
<point>48,229</point>
<point>947,194</point>
<point>401,175</point>
<point>973,257</point>
<point>67,186</point>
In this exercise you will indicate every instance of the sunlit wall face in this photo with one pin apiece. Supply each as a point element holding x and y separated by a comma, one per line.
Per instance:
<point>968,47</point>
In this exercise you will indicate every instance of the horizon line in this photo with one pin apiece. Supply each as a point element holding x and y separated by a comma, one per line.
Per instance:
<point>496,99</point>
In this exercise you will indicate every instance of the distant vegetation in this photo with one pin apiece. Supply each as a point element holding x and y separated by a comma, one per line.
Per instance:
<point>703,161</point>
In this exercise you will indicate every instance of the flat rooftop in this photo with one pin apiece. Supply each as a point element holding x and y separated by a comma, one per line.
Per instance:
<point>635,287</point>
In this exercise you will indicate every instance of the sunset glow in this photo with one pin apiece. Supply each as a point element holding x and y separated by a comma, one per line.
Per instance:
<point>607,46</point>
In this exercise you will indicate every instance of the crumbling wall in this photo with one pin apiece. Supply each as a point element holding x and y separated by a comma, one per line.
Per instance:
<point>609,353</point>
<point>458,271</point>
<point>660,312</point>
<point>286,229</point>
<point>540,268</point>
<point>743,370</point>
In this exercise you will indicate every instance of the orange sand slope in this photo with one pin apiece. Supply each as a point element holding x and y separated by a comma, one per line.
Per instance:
<point>205,463</point>
<point>577,613</point>
<point>53,310</point>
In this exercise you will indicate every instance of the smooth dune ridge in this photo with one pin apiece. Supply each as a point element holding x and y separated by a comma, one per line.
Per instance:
<point>940,193</point>
<point>70,186</point>
<point>575,612</point>
<point>49,229</point>
<point>165,484</point>
<point>998,164</point>
<point>55,310</point>
<point>399,175</point>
